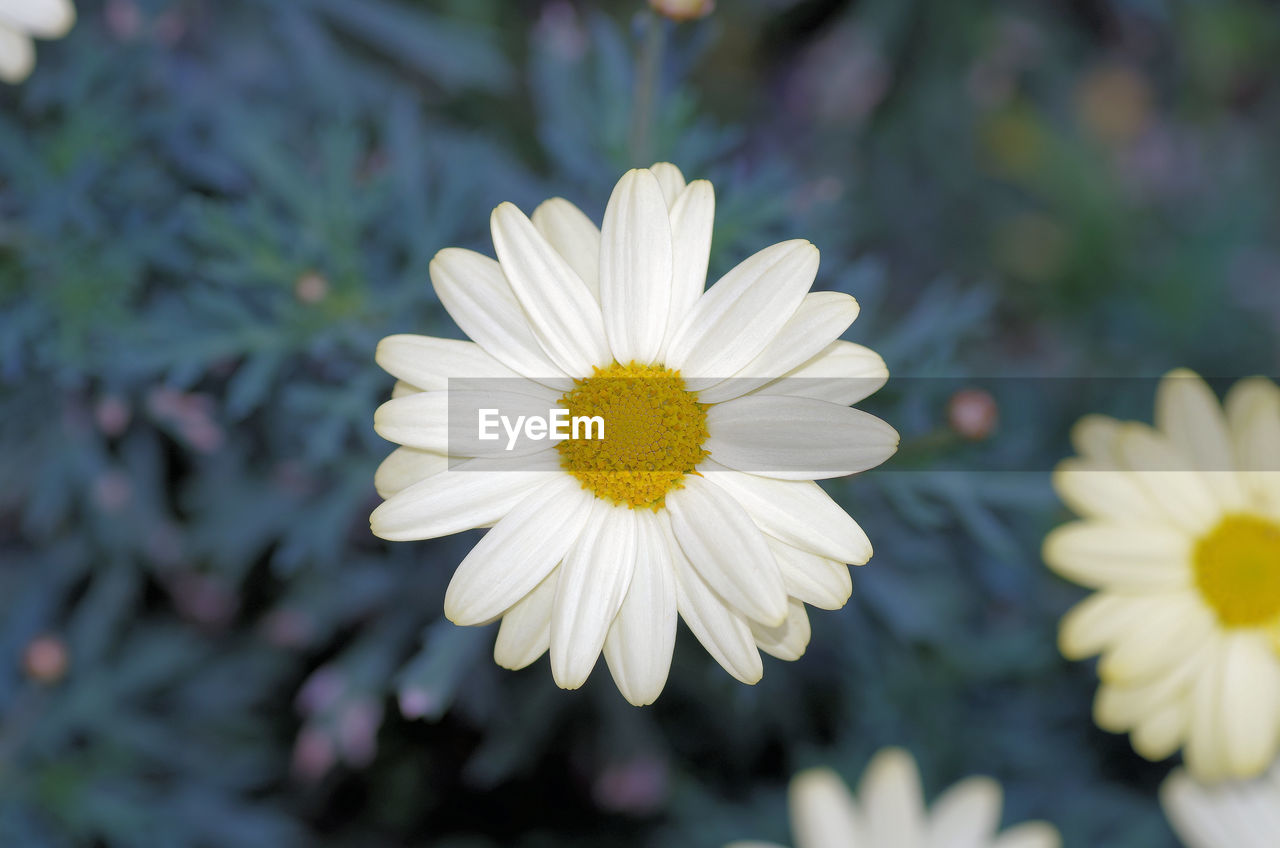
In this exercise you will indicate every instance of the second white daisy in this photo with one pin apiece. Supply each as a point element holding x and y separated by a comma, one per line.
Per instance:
<point>1181,540</point>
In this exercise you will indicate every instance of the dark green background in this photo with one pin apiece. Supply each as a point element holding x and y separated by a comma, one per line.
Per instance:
<point>211,210</point>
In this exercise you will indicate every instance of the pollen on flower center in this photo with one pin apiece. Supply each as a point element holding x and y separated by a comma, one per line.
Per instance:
<point>1237,570</point>
<point>654,429</point>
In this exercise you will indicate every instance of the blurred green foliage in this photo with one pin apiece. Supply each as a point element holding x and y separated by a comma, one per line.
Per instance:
<point>211,211</point>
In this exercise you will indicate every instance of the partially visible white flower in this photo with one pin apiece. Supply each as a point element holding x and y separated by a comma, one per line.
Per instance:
<point>1240,814</point>
<point>1181,539</point>
<point>889,812</point>
<point>20,20</point>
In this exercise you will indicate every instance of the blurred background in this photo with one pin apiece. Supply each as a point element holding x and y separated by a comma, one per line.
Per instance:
<point>211,210</point>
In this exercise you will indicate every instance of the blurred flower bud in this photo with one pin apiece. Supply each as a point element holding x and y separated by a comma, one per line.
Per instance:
<point>683,10</point>
<point>358,725</point>
<point>1114,104</point>
<point>287,628</point>
<point>203,599</point>
<point>636,786</point>
<point>322,690</point>
<point>311,287</point>
<point>123,18</point>
<point>416,703</point>
<point>112,491</point>
<point>45,660</point>
<point>112,415</point>
<point>973,414</point>
<point>313,754</point>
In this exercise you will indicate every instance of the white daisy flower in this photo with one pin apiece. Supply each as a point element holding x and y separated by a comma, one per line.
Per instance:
<point>1236,814</point>
<point>611,539</point>
<point>1181,538</point>
<point>20,20</point>
<point>889,812</point>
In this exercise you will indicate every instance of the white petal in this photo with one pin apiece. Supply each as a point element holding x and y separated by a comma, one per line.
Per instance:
<point>1121,707</point>
<point>824,583</point>
<point>966,815</point>
<point>477,295</point>
<point>1253,412</point>
<point>819,321</point>
<point>643,636</point>
<point>562,312</point>
<point>890,794</point>
<point>1163,471</point>
<point>797,512</point>
<point>671,180</point>
<point>1106,554</point>
<point>470,495</point>
<point>1097,438</point>
<point>1099,620</point>
<point>796,438</point>
<point>594,580</point>
<point>1250,703</point>
<point>17,55</point>
<point>574,237</point>
<point>1096,489</point>
<point>739,315</point>
<point>450,422</point>
<point>843,373</point>
<point>1029,835</point>
<point>1195,816</point>
<point>692,220</point>
<point>403,389</point>
<point>525,633</point>
<point>418,421</point>
<point>1160,732</point>
<point>1169,633</point>
<point>405,466</point>
<point>722,631</point>
<point>41,18</point>
<point>430,363</point>
<point>824,814</point>
<point>1189,414</point>
<point>518,552</point>
<point>635,268</point>
<point>727,549</point>
<point>1205,753</point>
<point>788,640</point>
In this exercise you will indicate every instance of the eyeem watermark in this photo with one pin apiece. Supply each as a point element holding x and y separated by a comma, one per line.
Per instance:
<point>557,425</point>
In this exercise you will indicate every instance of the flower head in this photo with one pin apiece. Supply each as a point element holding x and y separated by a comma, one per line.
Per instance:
<point>1181,539</point>
<point>22,19</point>
<point>717,410</point>
<point>1236,814</point>
<point>889,812</point>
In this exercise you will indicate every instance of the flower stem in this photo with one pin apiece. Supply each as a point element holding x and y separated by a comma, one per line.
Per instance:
<point>644,102</point>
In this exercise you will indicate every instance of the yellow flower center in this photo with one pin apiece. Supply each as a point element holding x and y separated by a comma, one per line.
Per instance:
<point>654,429</point>
<point>1237,569</point>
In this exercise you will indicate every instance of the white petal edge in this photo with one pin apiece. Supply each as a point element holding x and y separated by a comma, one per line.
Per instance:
<point>562,312</point>
<point>635,268</point>
<point>796,438</point>
<point>738,316</point>
<point>642,638</point>
<point>574,236</point>
<point>518,552</point>
<point>476,294</point>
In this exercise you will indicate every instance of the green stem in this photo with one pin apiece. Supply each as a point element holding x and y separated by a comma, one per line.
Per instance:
<point>644,104</point>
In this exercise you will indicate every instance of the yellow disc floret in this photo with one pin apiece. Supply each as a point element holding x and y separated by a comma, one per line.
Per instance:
<point>1237,570</point>
<point>654,429</point>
